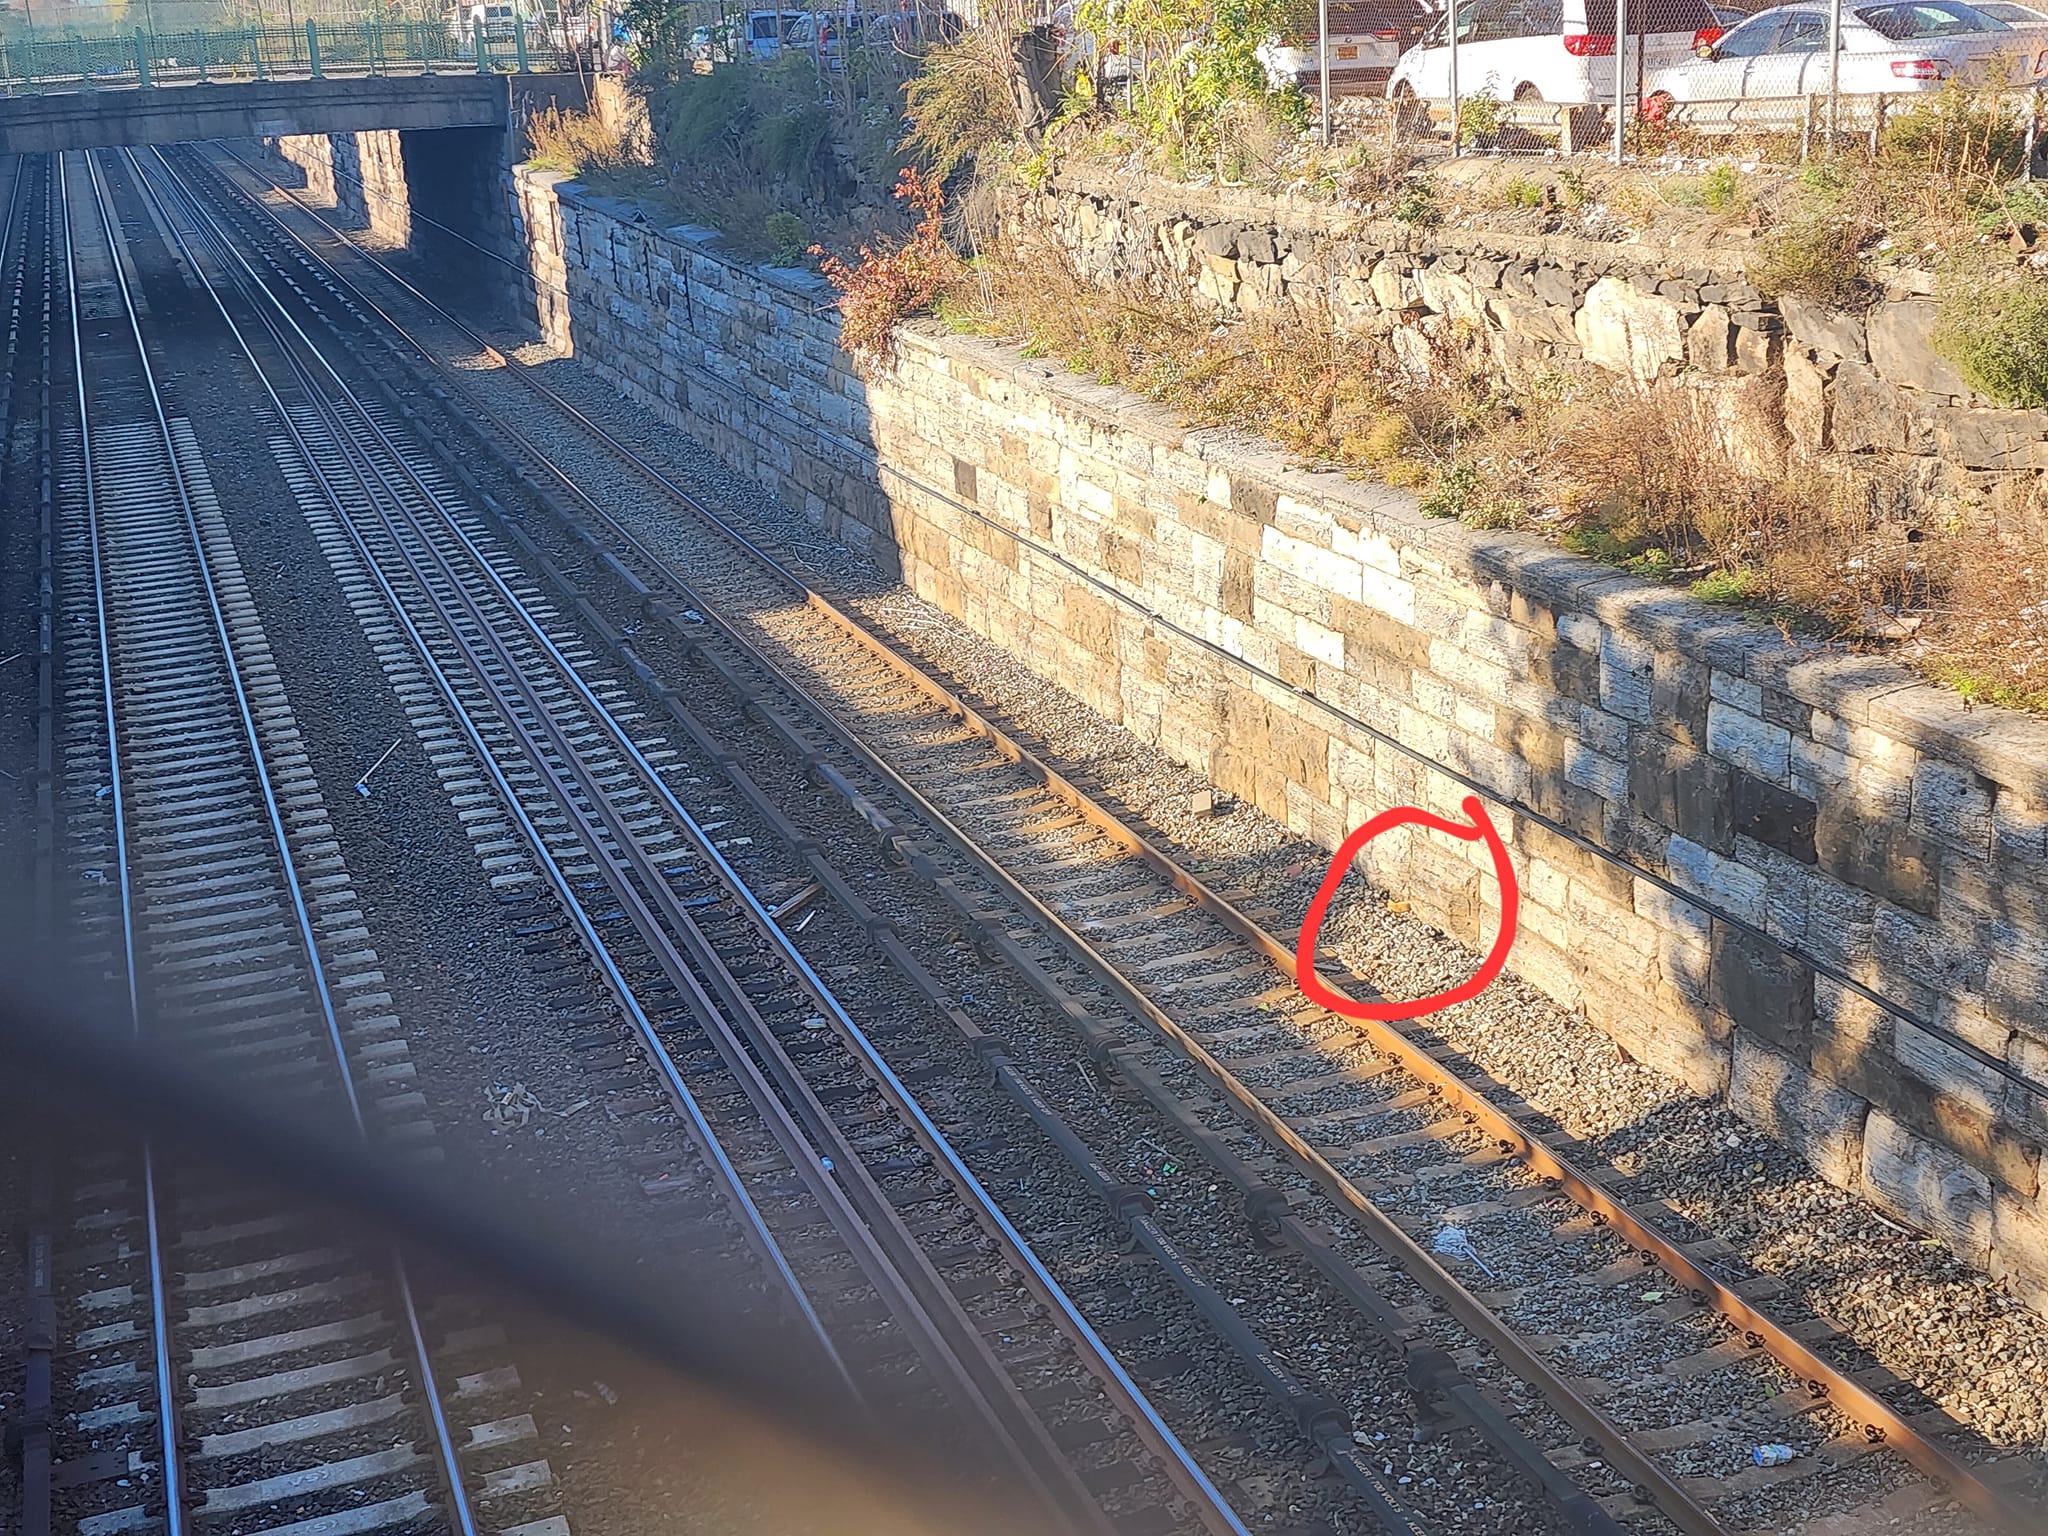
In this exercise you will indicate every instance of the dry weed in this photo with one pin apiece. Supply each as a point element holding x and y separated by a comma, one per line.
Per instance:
<point>579,142</point>
<point>1989,638</point>
<point>1664,483</point>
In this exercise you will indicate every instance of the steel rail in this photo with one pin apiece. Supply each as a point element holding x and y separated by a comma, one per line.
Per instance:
<point>891,1258</point>
<point>732,1186</point>
<point>459,1508</point>
<point>39,1335</point>
<point>1570,1500</point>
<point>1431,1370</point>
<point>1847,1396</point>
<point>1987,1060</point>
<point>860,1209</point>
<point>159,1288</point>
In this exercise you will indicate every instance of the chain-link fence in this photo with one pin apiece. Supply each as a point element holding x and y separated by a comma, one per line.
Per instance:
<point>1572,75</point>
<point>1608,76</point>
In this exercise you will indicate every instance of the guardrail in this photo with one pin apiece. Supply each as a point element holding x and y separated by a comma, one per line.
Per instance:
<point>320,49</point>
<point>1546,127</point>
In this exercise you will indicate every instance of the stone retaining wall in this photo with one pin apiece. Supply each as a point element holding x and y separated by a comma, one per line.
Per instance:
<point>1855,393</point>
<point>1869,824</point>
<point>360,175</point>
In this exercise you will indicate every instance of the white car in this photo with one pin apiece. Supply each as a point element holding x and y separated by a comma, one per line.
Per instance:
<point>2014,15</point>
<point>1905,45</point>
<point>1551,50</point>
<point>1367,38</point>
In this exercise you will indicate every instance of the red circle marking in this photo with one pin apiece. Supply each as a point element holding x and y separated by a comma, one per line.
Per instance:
<point>1311,984</point>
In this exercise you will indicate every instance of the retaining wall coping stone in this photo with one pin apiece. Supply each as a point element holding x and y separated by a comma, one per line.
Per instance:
<point>1168,200</point>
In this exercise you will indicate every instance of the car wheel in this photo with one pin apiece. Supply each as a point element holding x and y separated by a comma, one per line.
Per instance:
<point>1527,92</point>
<point>1403,91</point>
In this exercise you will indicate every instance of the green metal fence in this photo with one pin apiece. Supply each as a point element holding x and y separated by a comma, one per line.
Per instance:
<point>128,60</point>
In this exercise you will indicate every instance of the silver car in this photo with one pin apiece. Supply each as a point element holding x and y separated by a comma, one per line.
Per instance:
<point>1900,46</point>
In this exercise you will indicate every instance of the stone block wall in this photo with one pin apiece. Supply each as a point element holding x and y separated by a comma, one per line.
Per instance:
<point>1861,394</point>
<point>1719,836</point>
<point>360,175</point>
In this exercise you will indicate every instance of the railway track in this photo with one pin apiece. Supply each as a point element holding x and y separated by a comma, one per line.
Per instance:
<point>866,1214</point>
<point>221,1361</point>
<point>27,682</point>
<point>1385,1133</point>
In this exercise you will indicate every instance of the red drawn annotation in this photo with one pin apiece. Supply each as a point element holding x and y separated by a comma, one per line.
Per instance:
<point>1312,925</point>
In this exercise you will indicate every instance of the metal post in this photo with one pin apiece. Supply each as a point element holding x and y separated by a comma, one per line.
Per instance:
<point>312,50</point>
<point>483,50</point>
<point>519,41</point>
<point>141,58</point>
<point>1834,69</point>
<point>2033,130</point>
<point>1618,150</point>
<point>1451,36</point>
<point>1323,61</point>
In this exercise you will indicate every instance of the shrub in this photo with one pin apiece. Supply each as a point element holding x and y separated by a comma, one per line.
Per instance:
<point>1208,79</point>
<point>1818,257</point>
<point>1416,204</point>
<point>575,143</point>
<point>2011,208</point>
<point>891,284</point>
<point>1996,335</point>
<point>787,234</point>
<point>1479,119</point>
<point>1739,584</point>
<point>959,106</point>
<point>1955,132</point>
<point>767,121</point>
<point>1722,189</point>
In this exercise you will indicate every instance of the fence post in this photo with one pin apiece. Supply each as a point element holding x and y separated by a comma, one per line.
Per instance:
<point>519,41</point>
<point>1620,78</point>
<point>256,49</point>
<point>483,51</point>
<point>141,58</point>
<point>1451,36</point>
<point>312,50</point>
<point>204,37</point>
<point>2033,132</point>
<point>1323,62</point>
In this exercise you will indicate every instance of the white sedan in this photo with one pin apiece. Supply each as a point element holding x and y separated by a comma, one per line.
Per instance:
<point>1903,45</point>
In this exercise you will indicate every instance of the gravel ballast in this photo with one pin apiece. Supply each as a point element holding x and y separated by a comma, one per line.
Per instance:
<point>1906,1302</point>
